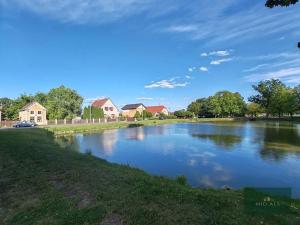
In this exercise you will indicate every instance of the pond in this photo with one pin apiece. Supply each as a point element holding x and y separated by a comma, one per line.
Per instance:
<point>234,154</point>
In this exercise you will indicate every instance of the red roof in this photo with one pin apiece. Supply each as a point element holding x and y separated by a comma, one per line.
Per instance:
<point>99,103</point>
<point>156,109</point>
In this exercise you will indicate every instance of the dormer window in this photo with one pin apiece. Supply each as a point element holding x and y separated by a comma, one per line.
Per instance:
<point>31,112</point>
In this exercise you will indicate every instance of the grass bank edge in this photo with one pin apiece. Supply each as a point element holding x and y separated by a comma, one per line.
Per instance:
<point>90,128</point>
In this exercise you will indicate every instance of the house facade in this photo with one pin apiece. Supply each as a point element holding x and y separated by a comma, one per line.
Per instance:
<point>34,112</point>
<point>131,109</point>
<point>109,108</point>
<point>157,110</point>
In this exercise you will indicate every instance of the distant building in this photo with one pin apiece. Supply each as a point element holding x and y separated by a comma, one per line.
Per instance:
<point>109,108</point>
<point>156,110</point>
<point>34,112</point>
<point>131,109</point>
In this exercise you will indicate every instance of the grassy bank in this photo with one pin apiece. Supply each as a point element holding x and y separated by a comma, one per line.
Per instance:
<point>85,128</point>
<point>42,183</point>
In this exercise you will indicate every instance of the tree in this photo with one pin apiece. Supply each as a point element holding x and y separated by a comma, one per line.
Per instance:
<point>93,113</point>
<point>272,3</point>
<point>226,103</point>
<point>214,106</point>
<point>291,101</point>
<point>63,103</point>
<point>40,98</point>
<point>138,115</point>
<point>17,105</point>
<point>183,114</point>
<point>253,109</point>
<point>5,104</point>
<point>199,107</point>
<point>267,92</point>
<point>147,114</point>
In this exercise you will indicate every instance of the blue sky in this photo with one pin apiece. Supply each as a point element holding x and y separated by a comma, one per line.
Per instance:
<point>153,51</point>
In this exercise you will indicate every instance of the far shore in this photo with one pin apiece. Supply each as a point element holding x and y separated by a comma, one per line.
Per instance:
<point>91,128</point>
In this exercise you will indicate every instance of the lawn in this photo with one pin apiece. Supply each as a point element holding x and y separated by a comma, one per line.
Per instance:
<point>42,183</point>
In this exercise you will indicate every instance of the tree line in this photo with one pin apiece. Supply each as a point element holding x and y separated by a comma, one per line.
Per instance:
<point>273,98</point>
<point>61,103</point>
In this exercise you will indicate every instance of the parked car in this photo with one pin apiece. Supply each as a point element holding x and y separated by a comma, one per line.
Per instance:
<point>24,124</point>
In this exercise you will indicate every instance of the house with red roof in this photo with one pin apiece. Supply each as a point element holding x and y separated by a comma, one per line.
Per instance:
<point>157,110</point>
<point>109,108</point>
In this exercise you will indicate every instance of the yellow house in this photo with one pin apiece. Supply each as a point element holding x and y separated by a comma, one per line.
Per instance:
<point>131,109</point>
<point>34,112</point>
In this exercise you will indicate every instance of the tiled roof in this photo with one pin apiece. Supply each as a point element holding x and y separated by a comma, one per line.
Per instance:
<point>99,102</point>
<point>155,109</point>
<point>30,104</point>
<point>132,106</point>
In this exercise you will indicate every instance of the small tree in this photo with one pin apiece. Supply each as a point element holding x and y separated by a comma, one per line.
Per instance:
<point>147,114</point>
<point>138,115</point>
<point>93,113</point>
<point>253,109</point>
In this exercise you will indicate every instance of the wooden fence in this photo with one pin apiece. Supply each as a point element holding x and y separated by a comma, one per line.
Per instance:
<point>8,124</point>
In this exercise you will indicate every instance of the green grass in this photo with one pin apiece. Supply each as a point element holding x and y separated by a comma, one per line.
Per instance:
<point>42,184</point>
<point>86,128</point>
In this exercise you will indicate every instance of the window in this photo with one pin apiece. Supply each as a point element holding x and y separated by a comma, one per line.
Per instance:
<point>31,112</point>
<point>39,119</point>
<point>106,108</point>
<point>111,108</point>
<point>39,112</point>
<point>32,119</point>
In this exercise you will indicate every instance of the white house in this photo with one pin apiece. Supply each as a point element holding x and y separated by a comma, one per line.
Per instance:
<point>109,108</point>
<point>34,112</point>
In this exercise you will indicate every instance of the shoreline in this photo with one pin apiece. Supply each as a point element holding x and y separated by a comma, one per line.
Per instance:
<point>93,128</point>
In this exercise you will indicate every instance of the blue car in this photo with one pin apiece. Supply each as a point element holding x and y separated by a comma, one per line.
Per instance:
<point>24,124</point>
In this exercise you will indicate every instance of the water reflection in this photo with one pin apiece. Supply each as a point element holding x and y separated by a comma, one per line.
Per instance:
<point>137,134</point>
<point>278,143</point>
<point>211,155</point>
<point>225,141</point>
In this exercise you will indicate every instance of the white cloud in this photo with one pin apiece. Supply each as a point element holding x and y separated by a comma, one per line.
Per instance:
<point>169,84</point>
<point>191,69</point>
<point>255,21</point>
<point>83,11</point>
<point>203,69</point>
<point>188,77</point>
<point>272,61</point>
<point>182,28</point>
<point>290,75</point>
<point>219,61</point>
<point>255,68</point>
<point>144,98</point>
<point>220,53</point>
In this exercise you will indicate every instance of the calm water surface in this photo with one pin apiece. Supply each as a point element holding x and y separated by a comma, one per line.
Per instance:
<point>252,154</point>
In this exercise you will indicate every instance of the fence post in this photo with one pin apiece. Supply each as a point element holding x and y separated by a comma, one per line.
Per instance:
<point>65,121</point>
<point>99,120</point>
<point>93,120</point>
<point>87,121</point>
<point>55,121</point>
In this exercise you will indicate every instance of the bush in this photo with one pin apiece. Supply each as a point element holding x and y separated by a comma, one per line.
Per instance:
<point>181,180</point>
